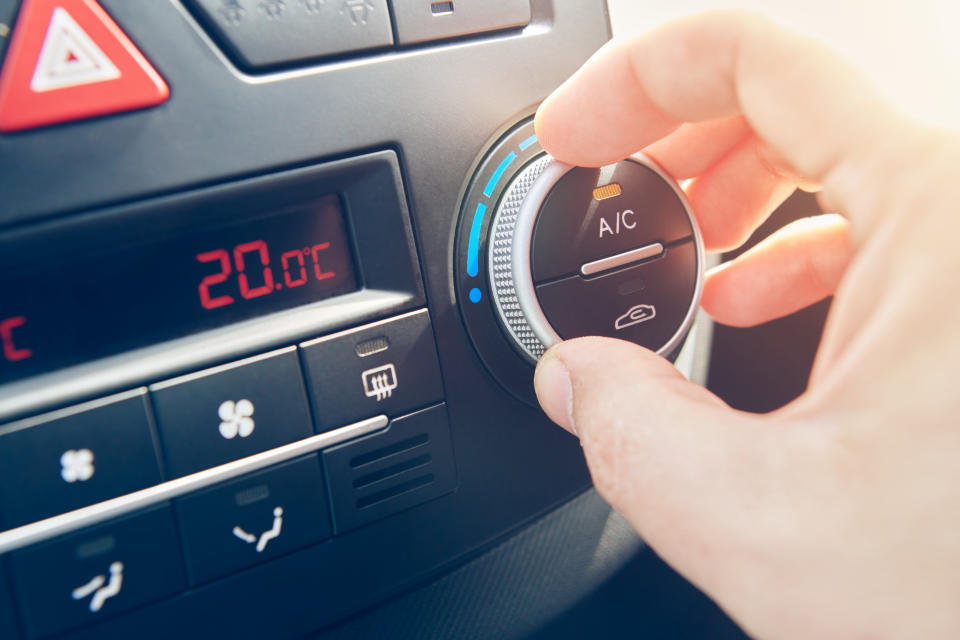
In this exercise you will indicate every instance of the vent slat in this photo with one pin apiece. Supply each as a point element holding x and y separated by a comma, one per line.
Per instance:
<point>391,471</point>
<point>385,452</point>
<point>395,491</point>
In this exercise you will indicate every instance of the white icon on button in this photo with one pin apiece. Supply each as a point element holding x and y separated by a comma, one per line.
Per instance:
<point>379,382</point>
<point>76,465</point>
<point>100,592</point>
<point>636,315</point>
<point>237,418</point>
<point>266,536</point>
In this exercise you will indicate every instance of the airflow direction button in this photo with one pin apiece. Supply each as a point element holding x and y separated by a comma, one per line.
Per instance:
<point>254,519</point>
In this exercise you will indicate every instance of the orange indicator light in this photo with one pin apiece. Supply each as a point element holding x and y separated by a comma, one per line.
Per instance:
<point>607,191</point>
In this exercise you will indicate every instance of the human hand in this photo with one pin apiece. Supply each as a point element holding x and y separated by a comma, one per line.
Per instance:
<point>837,516</point>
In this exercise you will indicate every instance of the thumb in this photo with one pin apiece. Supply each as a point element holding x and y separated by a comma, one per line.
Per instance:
<point>667,454</point>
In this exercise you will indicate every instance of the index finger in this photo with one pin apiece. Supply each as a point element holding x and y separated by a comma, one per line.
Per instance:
<point>809,106</point>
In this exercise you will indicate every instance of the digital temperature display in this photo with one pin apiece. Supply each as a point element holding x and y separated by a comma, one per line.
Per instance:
<point>111,300</point>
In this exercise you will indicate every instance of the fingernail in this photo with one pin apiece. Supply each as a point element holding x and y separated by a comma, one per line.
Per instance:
<point>554,390</point>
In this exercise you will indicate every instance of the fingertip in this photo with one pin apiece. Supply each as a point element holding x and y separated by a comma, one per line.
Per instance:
<point>555,390</point>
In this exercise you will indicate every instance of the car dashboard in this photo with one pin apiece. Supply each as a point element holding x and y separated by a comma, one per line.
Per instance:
<point>250,384</point>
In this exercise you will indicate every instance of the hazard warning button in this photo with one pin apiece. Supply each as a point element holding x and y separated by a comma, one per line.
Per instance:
<point>69,60</point>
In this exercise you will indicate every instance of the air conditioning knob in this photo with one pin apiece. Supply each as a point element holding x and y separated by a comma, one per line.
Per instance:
<point>614,251</point>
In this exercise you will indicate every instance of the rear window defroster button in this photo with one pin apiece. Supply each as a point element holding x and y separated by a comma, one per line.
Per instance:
<point>389,367</point>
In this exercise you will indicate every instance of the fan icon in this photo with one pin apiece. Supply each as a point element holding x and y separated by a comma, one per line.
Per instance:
<point>236,418</point>
<point>76,465</point>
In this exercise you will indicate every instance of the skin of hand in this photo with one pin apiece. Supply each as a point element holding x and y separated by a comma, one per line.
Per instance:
<point>837,516</point>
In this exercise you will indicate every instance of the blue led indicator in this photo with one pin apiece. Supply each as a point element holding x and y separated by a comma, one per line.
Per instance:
<point>528,142</point>
<point>495,178</point>
<point>473,247</point>
<point>475,295</point>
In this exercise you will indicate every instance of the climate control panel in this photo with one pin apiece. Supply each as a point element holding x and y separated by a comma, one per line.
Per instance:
<point>550,251</point>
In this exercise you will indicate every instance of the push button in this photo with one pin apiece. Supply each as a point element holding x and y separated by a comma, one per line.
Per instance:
<point>8,623</point>
<point>69,60</point>
<point>71,458</point>
<point>211,417</point>
<point>596,213</point>
<point>390,367</point>
<point>92,575</point>
<point>264,33</point>
<point>422,20</point>
<point>254,519</point>
<point>645,304</point>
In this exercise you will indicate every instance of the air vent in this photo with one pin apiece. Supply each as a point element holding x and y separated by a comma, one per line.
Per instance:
<point>379,475</point>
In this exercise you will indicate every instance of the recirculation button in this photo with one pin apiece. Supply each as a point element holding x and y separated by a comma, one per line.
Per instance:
<point>644,304</point>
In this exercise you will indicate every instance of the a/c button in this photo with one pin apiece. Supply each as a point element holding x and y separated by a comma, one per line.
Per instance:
<point>388,367</point>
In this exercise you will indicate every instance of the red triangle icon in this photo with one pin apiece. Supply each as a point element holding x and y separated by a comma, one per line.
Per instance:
<point>68,60</point>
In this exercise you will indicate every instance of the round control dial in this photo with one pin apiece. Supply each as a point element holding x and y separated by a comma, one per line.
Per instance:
<point>613,251</point>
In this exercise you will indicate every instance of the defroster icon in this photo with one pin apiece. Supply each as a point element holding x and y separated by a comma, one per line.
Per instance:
<point>379,382</point>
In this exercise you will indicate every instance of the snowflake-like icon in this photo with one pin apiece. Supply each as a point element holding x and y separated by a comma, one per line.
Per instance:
<point>237,418</point>
<point>273,9</point>
<point>312,6</point>
<point>358,10</point>
<point>76,465</point>
<point>232,11</point>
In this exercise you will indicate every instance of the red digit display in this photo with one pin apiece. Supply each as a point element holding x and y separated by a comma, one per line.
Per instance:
<point>10,350</point>
<point>216,278</point>
<point>226,264</point>
<point>245,289</point>
<point>285,261</point>
<point>316,249</point>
